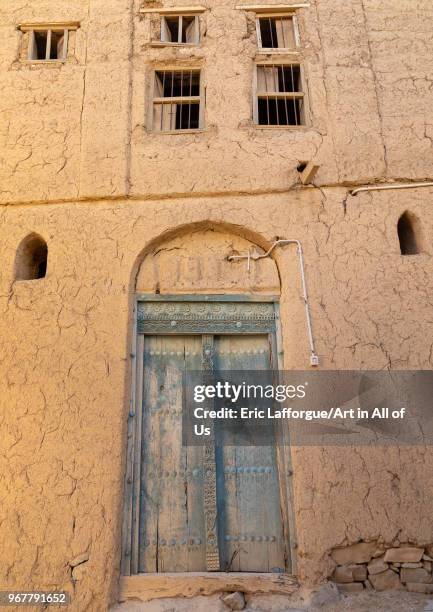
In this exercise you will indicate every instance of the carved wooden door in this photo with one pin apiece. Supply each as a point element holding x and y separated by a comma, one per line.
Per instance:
<point>198,508</point>
<point>249,510</point>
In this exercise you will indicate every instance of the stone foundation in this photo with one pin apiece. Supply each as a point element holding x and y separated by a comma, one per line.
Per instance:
<point>370,565</point>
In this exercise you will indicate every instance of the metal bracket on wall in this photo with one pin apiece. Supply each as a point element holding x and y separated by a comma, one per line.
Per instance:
<point>314,358</point>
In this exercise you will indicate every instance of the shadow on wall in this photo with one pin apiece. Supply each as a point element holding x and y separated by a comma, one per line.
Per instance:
<point>31,258</point>
<point>410,234</point>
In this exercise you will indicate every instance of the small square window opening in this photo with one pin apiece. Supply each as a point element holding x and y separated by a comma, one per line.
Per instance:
<point>180,29</point>
<point>277,32</point>
<point>48,45</point>
<point>177,100</point>
<point>280,99</point>
<point>40,48</point>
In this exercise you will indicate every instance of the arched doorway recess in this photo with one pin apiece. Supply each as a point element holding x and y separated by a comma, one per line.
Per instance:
<point>202,508</point>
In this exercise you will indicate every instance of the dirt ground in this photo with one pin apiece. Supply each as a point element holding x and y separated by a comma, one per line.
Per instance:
<point>326,600</point>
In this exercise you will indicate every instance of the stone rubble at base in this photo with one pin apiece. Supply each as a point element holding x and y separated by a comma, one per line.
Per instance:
<point>368,565</point>
<point>234,601</point>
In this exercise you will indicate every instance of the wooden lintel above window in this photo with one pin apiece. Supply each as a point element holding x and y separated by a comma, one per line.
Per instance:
<point>178,10</point>
<point>49,25</point>
<point>271,8</point>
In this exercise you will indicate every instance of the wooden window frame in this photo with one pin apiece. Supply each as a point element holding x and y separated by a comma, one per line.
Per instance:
<point>285,95</point>
<point>148,586</point>
<point>278,15</point>
<point>266,8</point>
<point>179,43</point>
<point>194,99</point>
<point>49,28</point>
<point>47,58</point>
<point>178,10</point>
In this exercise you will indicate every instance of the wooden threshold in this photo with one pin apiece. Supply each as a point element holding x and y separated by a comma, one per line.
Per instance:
<point>146,587</point>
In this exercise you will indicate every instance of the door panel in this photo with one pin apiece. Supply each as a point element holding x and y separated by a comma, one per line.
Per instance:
<point>251,536</point>
<point>168,503</point>
<point>171,504</point>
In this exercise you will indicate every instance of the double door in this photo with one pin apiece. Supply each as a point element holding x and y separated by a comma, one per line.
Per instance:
<point>195,508</point>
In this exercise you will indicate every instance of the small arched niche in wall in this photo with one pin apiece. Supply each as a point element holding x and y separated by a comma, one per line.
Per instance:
<point>409,234</point>
<point>31,258</point>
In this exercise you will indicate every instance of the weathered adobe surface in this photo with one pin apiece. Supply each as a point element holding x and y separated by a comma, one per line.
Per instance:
<point>65,340</point>
<point>79,130</point>
<point>65,355</point>
<point>397,601</point>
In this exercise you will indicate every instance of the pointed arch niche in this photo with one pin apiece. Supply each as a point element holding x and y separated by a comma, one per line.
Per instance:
<point>410,234</point>
<point>195,262</point>
<point>31,258</point>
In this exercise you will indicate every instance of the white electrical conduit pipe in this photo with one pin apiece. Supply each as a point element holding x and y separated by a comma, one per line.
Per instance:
<point>314,359</point>
<point>390,186</point>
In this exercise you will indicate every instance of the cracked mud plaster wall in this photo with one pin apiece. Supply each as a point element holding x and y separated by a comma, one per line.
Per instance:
<point>63,126</point>
<point>79,130</point>
<point>65,356</point>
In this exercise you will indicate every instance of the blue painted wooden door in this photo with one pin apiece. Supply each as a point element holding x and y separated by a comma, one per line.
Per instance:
<point>170,502</point>
<point>249,512</point>
<point>172,533</point>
